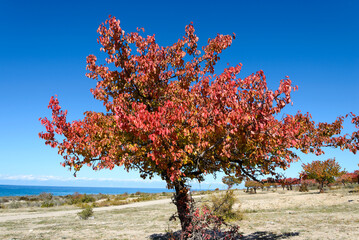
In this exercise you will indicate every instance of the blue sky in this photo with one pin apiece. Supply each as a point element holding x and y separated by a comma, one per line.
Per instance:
<point>43,52</point>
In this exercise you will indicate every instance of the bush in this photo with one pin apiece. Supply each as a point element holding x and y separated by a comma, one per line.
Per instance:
<point>205,225</point>
<point>121,197</point>
<point>33,204</point>
<point>87,199</point>
<point>303,188</point>
<point>222,206</point>
<point>14,204</point>
<point>86,213</point>
<point>24,198</point>
<point>47,204</point>
<point>4,200</point>
<point>45,196</point>
<point>77,198</point>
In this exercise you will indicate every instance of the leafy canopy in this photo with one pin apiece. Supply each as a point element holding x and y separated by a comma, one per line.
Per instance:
<point>169,114</point>
<point>322,171</point>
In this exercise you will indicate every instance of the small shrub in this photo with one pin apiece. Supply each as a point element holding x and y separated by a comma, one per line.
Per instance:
<point>303,188</point>
<point>14,204</point>
<point>121,197</point>
<point>205,225</point>
<point>102,196</point>
<point>222,206</point>
<point>24,198</point>
<point>33,204</point>
<point>45,196</point>
<point>86,213</point>
<point>59,202</point>
<point>87,199</point>
<point>47,204</point>
<point>4,200</point>
<point>77,198</point>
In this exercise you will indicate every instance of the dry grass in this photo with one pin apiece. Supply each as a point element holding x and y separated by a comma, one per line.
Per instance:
<point>267,215</point>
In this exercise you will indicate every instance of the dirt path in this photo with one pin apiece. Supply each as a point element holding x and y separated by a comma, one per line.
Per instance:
<point>15,216</point>
<point>4,217</point>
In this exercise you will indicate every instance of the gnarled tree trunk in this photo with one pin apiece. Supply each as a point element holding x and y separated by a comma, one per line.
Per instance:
<point>182,200</point>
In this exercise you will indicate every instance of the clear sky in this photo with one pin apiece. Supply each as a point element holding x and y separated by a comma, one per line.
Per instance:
<point>43,52</point>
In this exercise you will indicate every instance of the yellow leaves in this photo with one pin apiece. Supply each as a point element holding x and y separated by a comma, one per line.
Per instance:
<point>189,148</point>
<point>186,160</point>
<point>132,147</point>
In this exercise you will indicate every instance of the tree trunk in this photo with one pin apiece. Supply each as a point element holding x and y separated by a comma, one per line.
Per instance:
<point>182,200</point>
<point>321,187</point>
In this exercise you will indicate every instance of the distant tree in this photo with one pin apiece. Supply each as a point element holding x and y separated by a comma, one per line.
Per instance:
<point>348,178</point>
<point>230,181</point>
<point>322,171</point>
<point>271,182</point>
<point>288,182</point>
<point>167,113</point>
<point>252,185</point>
<point>356,172</point>
<point>292,181</point>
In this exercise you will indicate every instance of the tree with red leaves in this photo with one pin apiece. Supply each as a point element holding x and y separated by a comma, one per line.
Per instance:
<point>356,172</point>
<point>322,171</point>
<point>348,178</point>
<point>288,182</point>
<point>168,114</point>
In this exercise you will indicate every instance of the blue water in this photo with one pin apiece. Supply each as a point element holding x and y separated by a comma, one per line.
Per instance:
<point>17,190</point>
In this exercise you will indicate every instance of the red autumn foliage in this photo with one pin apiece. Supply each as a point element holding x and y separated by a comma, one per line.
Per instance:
<point>169,114</point>
<point>348,178</point>
<point>356,172</point>
<point>288,182</point>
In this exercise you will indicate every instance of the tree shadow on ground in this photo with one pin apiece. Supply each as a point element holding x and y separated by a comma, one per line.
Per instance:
<point>269,236</point>
<point>252,236</point>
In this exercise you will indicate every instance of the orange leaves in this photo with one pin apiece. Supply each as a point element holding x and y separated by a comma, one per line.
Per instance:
<point>322,171</point>
<point>189,149</point>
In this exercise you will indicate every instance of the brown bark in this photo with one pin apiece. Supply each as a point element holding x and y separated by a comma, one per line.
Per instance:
<point>182,200</point>
<point>321,186</point>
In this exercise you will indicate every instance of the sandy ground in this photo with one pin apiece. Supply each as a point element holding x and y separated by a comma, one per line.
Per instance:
<point>294,215</point>
<point>267,215</point>
<point>4,217</point>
